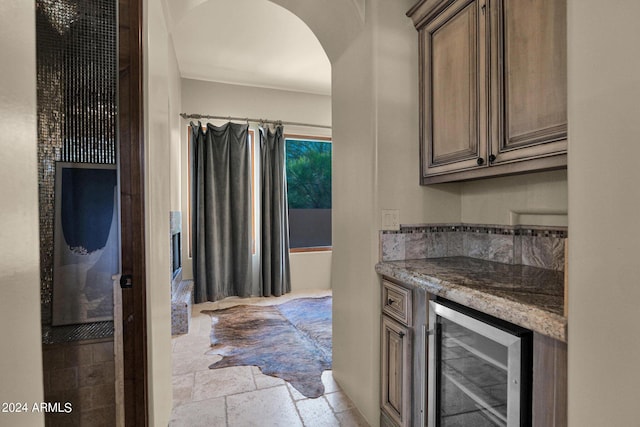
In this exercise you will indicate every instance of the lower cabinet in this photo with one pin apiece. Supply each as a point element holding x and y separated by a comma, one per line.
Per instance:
<point>396,371</point>
<point>404,351</point>
<point>403,342</point>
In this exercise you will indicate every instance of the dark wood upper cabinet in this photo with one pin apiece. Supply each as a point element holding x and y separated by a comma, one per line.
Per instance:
<point>493,87</point>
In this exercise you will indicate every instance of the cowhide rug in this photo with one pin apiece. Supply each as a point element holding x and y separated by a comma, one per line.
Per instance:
<point>291,341</point>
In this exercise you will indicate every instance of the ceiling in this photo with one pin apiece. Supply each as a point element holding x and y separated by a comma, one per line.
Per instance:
<point>247,42</point>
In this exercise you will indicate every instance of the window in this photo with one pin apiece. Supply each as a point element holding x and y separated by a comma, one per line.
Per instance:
<point>308,166</point>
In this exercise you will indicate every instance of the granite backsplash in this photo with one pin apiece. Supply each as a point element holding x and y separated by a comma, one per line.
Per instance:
<point>527,245</point>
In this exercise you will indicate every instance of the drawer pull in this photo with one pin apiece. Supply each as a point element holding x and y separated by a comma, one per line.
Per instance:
<point>390,301</point>
<point>401,335</point>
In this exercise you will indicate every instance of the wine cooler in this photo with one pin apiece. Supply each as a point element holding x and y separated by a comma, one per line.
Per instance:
<point>480,369</point>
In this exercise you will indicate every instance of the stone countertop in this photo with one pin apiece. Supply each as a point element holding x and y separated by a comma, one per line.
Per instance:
<point>530,297</point>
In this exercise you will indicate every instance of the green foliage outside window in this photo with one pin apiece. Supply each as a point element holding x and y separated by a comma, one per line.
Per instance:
<point>308,174</point>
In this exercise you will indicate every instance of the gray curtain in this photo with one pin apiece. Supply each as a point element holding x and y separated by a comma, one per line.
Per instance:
<point>274,276</point>
<point>221,211</point>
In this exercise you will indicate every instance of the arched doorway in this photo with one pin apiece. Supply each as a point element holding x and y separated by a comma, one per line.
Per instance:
<point>238,100</point>
<point>323,17</point>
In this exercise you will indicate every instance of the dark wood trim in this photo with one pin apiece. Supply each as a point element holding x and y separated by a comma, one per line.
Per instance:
<point>308,137</point>
<point>131,163</point>
<point>312,249</point>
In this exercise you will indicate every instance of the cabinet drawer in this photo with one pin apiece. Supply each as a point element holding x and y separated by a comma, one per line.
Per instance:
<point>396,302</point>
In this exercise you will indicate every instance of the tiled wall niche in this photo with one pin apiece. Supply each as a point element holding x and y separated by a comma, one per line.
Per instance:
<point>527,245</point>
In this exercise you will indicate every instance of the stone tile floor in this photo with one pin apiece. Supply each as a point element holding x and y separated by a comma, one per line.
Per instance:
<point>241,396</point>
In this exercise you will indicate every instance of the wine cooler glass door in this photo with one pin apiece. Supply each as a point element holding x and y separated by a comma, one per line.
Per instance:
<point>475,371</point>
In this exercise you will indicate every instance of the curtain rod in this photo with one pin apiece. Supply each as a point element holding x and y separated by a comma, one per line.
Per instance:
<point>246,119</point>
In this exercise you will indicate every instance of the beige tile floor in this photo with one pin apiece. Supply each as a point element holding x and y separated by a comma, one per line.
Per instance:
<point>241,396</point>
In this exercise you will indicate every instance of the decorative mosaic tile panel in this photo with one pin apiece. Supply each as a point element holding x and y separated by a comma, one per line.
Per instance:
<point>514,230</point>
<point>76,64</point>
<point>69,333</point>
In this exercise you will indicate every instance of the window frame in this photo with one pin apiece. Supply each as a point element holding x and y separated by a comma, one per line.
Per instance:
<point>320,139</point>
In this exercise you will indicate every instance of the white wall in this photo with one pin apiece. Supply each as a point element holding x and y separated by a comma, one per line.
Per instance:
<point>310,271</point>
<point>175,129</point>
<point>604,201</point>
<point>21,349</point>
<point>355,301</point>
<point>530,199</point>
<point>396,121</point>
<point>243,101</point>
<point>375,110</point>
<point>336,23</point>
<point>162,191</point>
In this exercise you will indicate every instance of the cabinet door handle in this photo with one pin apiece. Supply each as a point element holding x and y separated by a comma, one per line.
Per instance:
<point>484,7</point>
<point>401,335</point>
<point>390,301</point>
<point>492,158</point>
<point>480,161</point>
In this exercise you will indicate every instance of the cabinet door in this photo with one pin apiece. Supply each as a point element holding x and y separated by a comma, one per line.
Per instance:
<point>396,371</point>
<point>528,79</point>
<point>453,97</point>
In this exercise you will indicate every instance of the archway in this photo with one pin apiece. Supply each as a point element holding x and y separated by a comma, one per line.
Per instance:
<point>339,40</point>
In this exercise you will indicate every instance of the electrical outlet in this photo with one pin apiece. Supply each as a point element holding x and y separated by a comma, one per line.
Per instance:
<point>390,219</point>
